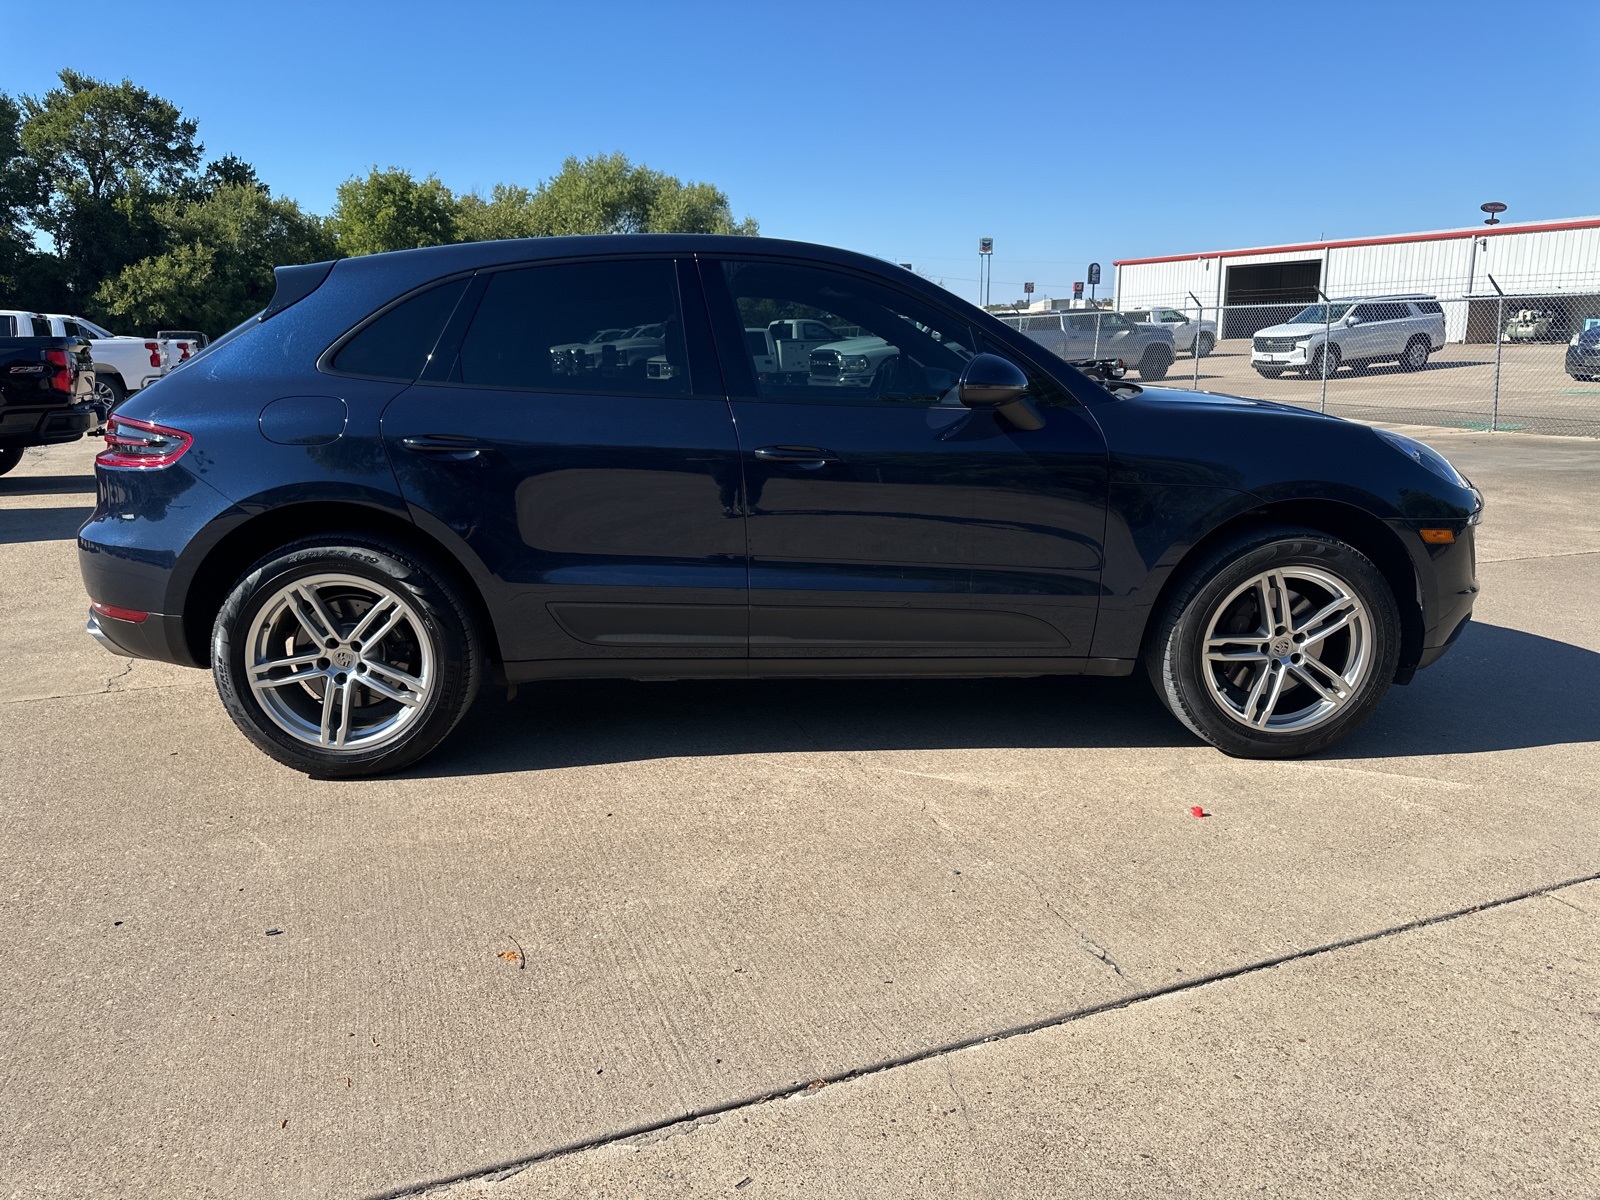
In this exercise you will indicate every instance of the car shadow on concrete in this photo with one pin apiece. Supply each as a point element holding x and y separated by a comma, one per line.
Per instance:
<point>46,485</point>
<point>41,524</point>
<point>1498,689</point>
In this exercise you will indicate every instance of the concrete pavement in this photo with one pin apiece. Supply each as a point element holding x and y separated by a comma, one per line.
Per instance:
<point>604,906</point>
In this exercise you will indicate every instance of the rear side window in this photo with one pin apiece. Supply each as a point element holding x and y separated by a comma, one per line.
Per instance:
<point>1430,307</point>
<point>398,344</point>
<point>596,327</point>
<point>8,326</point>
<point>41,327</point>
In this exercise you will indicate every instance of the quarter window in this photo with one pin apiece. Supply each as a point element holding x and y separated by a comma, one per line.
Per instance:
<point>592,327</point>
<point>877,345</point>
<point>399,343</point>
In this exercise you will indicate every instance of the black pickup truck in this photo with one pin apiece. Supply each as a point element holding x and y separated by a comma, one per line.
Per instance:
<point>46,393</point>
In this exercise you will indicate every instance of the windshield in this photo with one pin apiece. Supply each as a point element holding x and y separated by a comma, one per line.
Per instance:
<point>1318,314</point>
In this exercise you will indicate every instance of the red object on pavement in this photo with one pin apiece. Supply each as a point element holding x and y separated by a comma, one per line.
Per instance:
<point>1196,811</point>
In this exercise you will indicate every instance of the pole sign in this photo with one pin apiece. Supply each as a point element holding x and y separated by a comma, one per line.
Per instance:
<point>1094,272</point>
<point>1077,291</point>
<point>1027,289</point>
<point>985,245</point>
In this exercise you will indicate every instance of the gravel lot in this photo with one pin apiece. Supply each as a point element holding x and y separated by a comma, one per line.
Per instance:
<point>814,938</point>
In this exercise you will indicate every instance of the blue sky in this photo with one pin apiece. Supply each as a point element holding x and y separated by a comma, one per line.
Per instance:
<point>1067,130</point>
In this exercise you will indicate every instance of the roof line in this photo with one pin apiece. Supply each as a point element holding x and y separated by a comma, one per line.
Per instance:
<point>1394,239</point>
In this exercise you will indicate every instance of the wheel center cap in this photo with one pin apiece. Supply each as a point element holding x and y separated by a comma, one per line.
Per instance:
<point>1282,647</point>
<point>344,658</point>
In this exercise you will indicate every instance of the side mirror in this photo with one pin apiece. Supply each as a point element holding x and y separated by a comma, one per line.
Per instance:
<point>992,382</point>
<point>1349,321</point>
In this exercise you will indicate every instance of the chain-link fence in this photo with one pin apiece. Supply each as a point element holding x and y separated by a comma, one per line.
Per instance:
<point>1526,361</point>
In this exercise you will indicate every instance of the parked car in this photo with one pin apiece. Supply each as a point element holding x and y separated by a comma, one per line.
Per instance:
<point>1099,333</point>
<point>181,345</point>
<point>1583,354</point>
<point>1189,334</point>
<point>46,387</point>
<point>357,507</point>
<point>850,362</point>
<point>1351,332</point>
<point>122,365</point>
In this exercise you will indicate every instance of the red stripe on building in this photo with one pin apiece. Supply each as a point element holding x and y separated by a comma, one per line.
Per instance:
<point>1396,240</point>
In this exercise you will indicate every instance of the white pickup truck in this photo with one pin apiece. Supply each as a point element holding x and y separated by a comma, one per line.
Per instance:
<point>122,365</point>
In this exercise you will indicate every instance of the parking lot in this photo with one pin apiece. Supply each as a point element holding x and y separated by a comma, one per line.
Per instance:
<point>1455,390</point>
<point>820,938</point>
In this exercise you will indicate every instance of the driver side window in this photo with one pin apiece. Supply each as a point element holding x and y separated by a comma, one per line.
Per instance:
<point>827,337</point>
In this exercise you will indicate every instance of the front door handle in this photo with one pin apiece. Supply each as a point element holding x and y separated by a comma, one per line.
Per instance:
<point>806,458</point>
<point>444,445</point>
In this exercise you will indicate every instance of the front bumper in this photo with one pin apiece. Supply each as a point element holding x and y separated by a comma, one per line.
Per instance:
<point>1579,364</point>
<point>1300,356</point>
<point>1447,578</point>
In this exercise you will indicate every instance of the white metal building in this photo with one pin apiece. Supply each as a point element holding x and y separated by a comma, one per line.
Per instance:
<point>1554,261</point>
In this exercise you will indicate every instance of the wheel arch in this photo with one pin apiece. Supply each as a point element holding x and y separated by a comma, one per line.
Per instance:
<point>216,573</point>
<point>1347,522</point>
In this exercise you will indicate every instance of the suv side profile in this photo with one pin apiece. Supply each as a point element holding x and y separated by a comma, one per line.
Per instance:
<point>1193,335</point>
<point>1354,333</point>
<point>400,482</point>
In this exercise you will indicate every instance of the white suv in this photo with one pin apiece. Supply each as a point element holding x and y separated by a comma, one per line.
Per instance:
<point>1354,332</point>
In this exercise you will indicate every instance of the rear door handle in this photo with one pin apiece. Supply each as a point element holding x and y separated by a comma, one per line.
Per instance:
<point>806,458</point>
<point>444,445</point>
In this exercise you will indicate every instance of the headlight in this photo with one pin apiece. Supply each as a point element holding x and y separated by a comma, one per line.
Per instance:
<point>856,362</point>
<point>1424,455</point>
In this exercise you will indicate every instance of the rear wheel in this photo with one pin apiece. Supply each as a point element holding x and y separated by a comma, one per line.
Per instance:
<point>1204,345</point>
<point>10,456</point>
<point>1155,363</point>
<point>1279,644</point>
<point>345,656</point>
<point>1416,354</point>
<point>108,393</point>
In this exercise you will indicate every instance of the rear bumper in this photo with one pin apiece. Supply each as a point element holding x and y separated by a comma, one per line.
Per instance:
<point>46,427</point>
<point>158,636</point>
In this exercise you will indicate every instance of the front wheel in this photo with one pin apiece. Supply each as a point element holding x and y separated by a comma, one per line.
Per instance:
<point>1278,645</point>
<point>1328,355</point>
<point>1155,362</point>
<point>1204,345</point>
<point>1416,355</point>
<point>345,656</point>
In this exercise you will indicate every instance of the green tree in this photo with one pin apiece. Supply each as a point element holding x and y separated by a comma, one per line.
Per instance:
<point>392,210</point>
<point>509,212</point>
<point>219,267</point>
<point>108,154</point>
<point>608,194</point>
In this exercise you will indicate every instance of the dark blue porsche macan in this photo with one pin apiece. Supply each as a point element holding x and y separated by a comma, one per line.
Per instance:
<point>671,456</point>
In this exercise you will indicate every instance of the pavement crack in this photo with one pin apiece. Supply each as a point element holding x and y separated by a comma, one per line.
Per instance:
<point>111,684</point>
<point>706,1114</point>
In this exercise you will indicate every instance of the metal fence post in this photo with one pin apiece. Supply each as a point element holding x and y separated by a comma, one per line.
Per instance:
<point>1499,341</point>
<point>1327,341</point>
<point>1194,346</point>
<point>1096,353</point>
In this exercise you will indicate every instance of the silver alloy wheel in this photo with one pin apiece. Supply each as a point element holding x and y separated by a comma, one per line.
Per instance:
<point>339,662</point>
<point>1287,649</point>
<point>1416,356</point>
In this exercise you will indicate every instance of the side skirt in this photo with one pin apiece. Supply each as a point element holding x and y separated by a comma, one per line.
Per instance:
<point>808,668</point>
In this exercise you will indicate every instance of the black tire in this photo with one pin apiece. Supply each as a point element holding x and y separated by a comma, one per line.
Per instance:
<point>440,614</point>
<point>109,392</point>
<point>1269,372</point>
<point>1416,354</point>
<point>1204,345</point>
<point>1314,368</point>
<point>1155,363</point>
<point>1178,666</point>
<point>10,456</point>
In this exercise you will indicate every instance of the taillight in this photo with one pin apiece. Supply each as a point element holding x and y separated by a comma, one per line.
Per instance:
<point>183,351</point>
<point>135,616</point>
<point>155,353</point>
<point>131,443</point>
<point>61,378</point>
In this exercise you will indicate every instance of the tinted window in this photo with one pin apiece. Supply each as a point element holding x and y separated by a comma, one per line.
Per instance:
<point>886,347</point>
<point>579,327</point>
<point>1431,307</point>
<point>41,327</point>
<point>1141,315</point>
<point>1041,324</point>
<point>8,326</point>
<point>398,344</point>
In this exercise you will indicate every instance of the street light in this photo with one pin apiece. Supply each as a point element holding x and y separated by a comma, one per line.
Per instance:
<point>1494,208</point>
